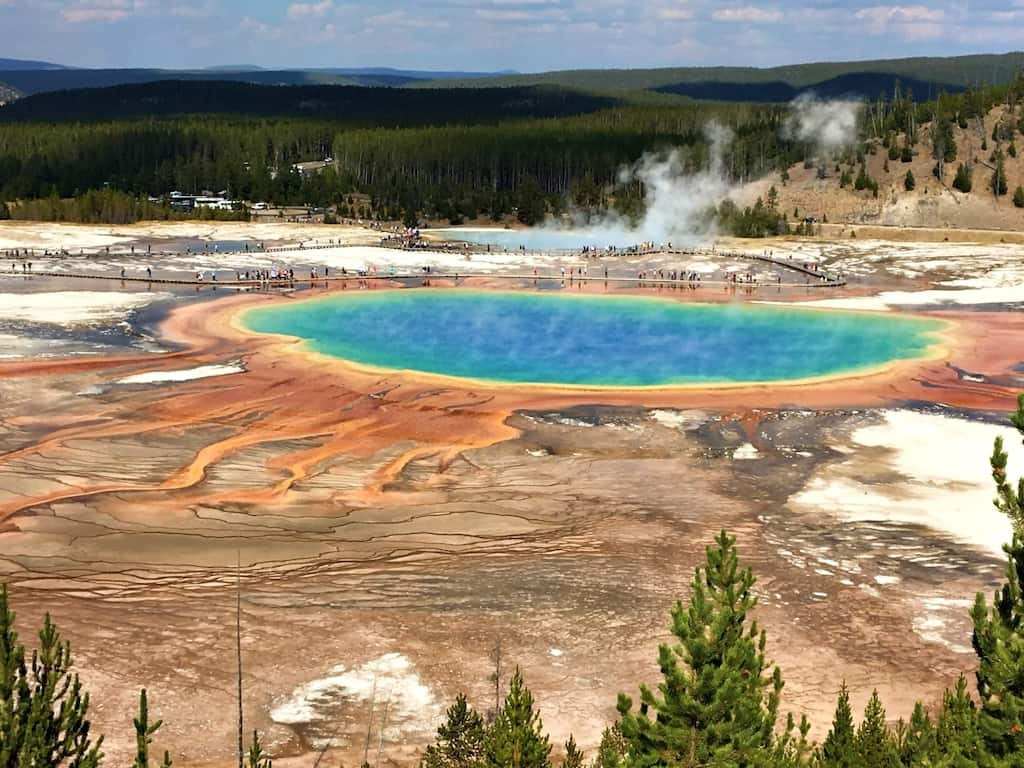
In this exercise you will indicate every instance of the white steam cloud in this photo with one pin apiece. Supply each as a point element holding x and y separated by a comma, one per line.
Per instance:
<point>828,125</point>
<point>677,202</point>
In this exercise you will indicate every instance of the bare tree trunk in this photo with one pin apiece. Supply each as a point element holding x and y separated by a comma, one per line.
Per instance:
<point>238,657</point>
<point>383,725</point>
<point>496,677</point>
<point>369,722</point>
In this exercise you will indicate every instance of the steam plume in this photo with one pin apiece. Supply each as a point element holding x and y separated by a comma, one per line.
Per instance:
<point>828,125</point>
<point>677,202</point>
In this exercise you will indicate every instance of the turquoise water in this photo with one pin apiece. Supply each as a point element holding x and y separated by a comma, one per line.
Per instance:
<point>591,340</point>
<point>543,239</point>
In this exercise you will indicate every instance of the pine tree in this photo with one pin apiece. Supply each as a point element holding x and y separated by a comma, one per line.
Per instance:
<point>43,710</point>
<point>791,748</point>
<point>962,181</point>
<point>839,748</point>
<point>943,143</point>
<point>863,180</point>
<point>517,738</point>
<point>532,206</point>
<point>999,631</point>
<point>1018,197</point>
<point>460,739</point>
<point>144,735</point>
<point>909,182</point>
<point>957,738</point>
<point>999,183</point>
<point>257,757</point>
<point>874,742</point>
<point>573,756</point>
<point>717,703</point>
<point>611,752</point>
<point>917,740</point>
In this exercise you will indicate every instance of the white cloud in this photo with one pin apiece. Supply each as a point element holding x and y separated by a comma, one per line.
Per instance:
<point>879,18</point>
<point>748,13</point>
<point>185,11</point>
<point>489,14</point>
<point>910,22</point>
<point>673,13</point>
<point>401,20</point>
<point>101,10</point>
<point>310,10</point>
<point>535,14</point>
<point>257,28</point>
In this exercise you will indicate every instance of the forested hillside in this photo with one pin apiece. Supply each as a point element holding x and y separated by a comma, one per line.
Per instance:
<point>449,154</point>
<point>949,73</point>
<point>856,85</point>
<point>957,162</point>
<point>354,106</point>
<point>451,171</point>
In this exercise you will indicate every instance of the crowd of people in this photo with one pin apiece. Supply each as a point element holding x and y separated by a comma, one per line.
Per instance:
<point>578,271</point>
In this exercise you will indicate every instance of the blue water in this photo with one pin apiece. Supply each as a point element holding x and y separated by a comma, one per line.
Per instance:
<point>591,340</point>
<point>543,239</point>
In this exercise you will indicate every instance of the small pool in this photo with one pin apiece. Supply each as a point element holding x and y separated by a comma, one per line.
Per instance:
<point>543,239</point>
<point>592,340</point>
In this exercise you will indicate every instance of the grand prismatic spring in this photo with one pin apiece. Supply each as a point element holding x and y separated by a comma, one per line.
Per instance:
<point>591,340</point>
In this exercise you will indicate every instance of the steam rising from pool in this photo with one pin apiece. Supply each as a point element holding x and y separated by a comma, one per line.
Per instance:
<point>678,201</point>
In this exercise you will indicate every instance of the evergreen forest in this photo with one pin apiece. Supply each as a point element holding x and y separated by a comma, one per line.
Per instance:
<point>403,155</point>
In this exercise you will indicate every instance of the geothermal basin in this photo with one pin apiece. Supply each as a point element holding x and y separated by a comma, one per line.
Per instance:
<point>397,479</point>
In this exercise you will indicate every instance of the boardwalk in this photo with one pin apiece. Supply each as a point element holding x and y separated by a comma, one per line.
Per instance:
<point>812,278</point>
<point>820,282</point>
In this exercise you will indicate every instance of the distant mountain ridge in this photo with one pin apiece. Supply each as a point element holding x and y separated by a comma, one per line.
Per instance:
<point>412,74</point>
<point>32,82</point>
<point>948,72</point>
<point>924,76</point>
<point>11,65</point>
<point>357,106</point>
<point>28,78</point>
<point>856,85</point>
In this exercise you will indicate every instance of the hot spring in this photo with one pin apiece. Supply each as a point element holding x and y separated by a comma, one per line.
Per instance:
<point>542,239</point>
<point>592,340</point>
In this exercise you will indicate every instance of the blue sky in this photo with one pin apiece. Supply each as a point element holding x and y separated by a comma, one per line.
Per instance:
<point>527,35</point>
